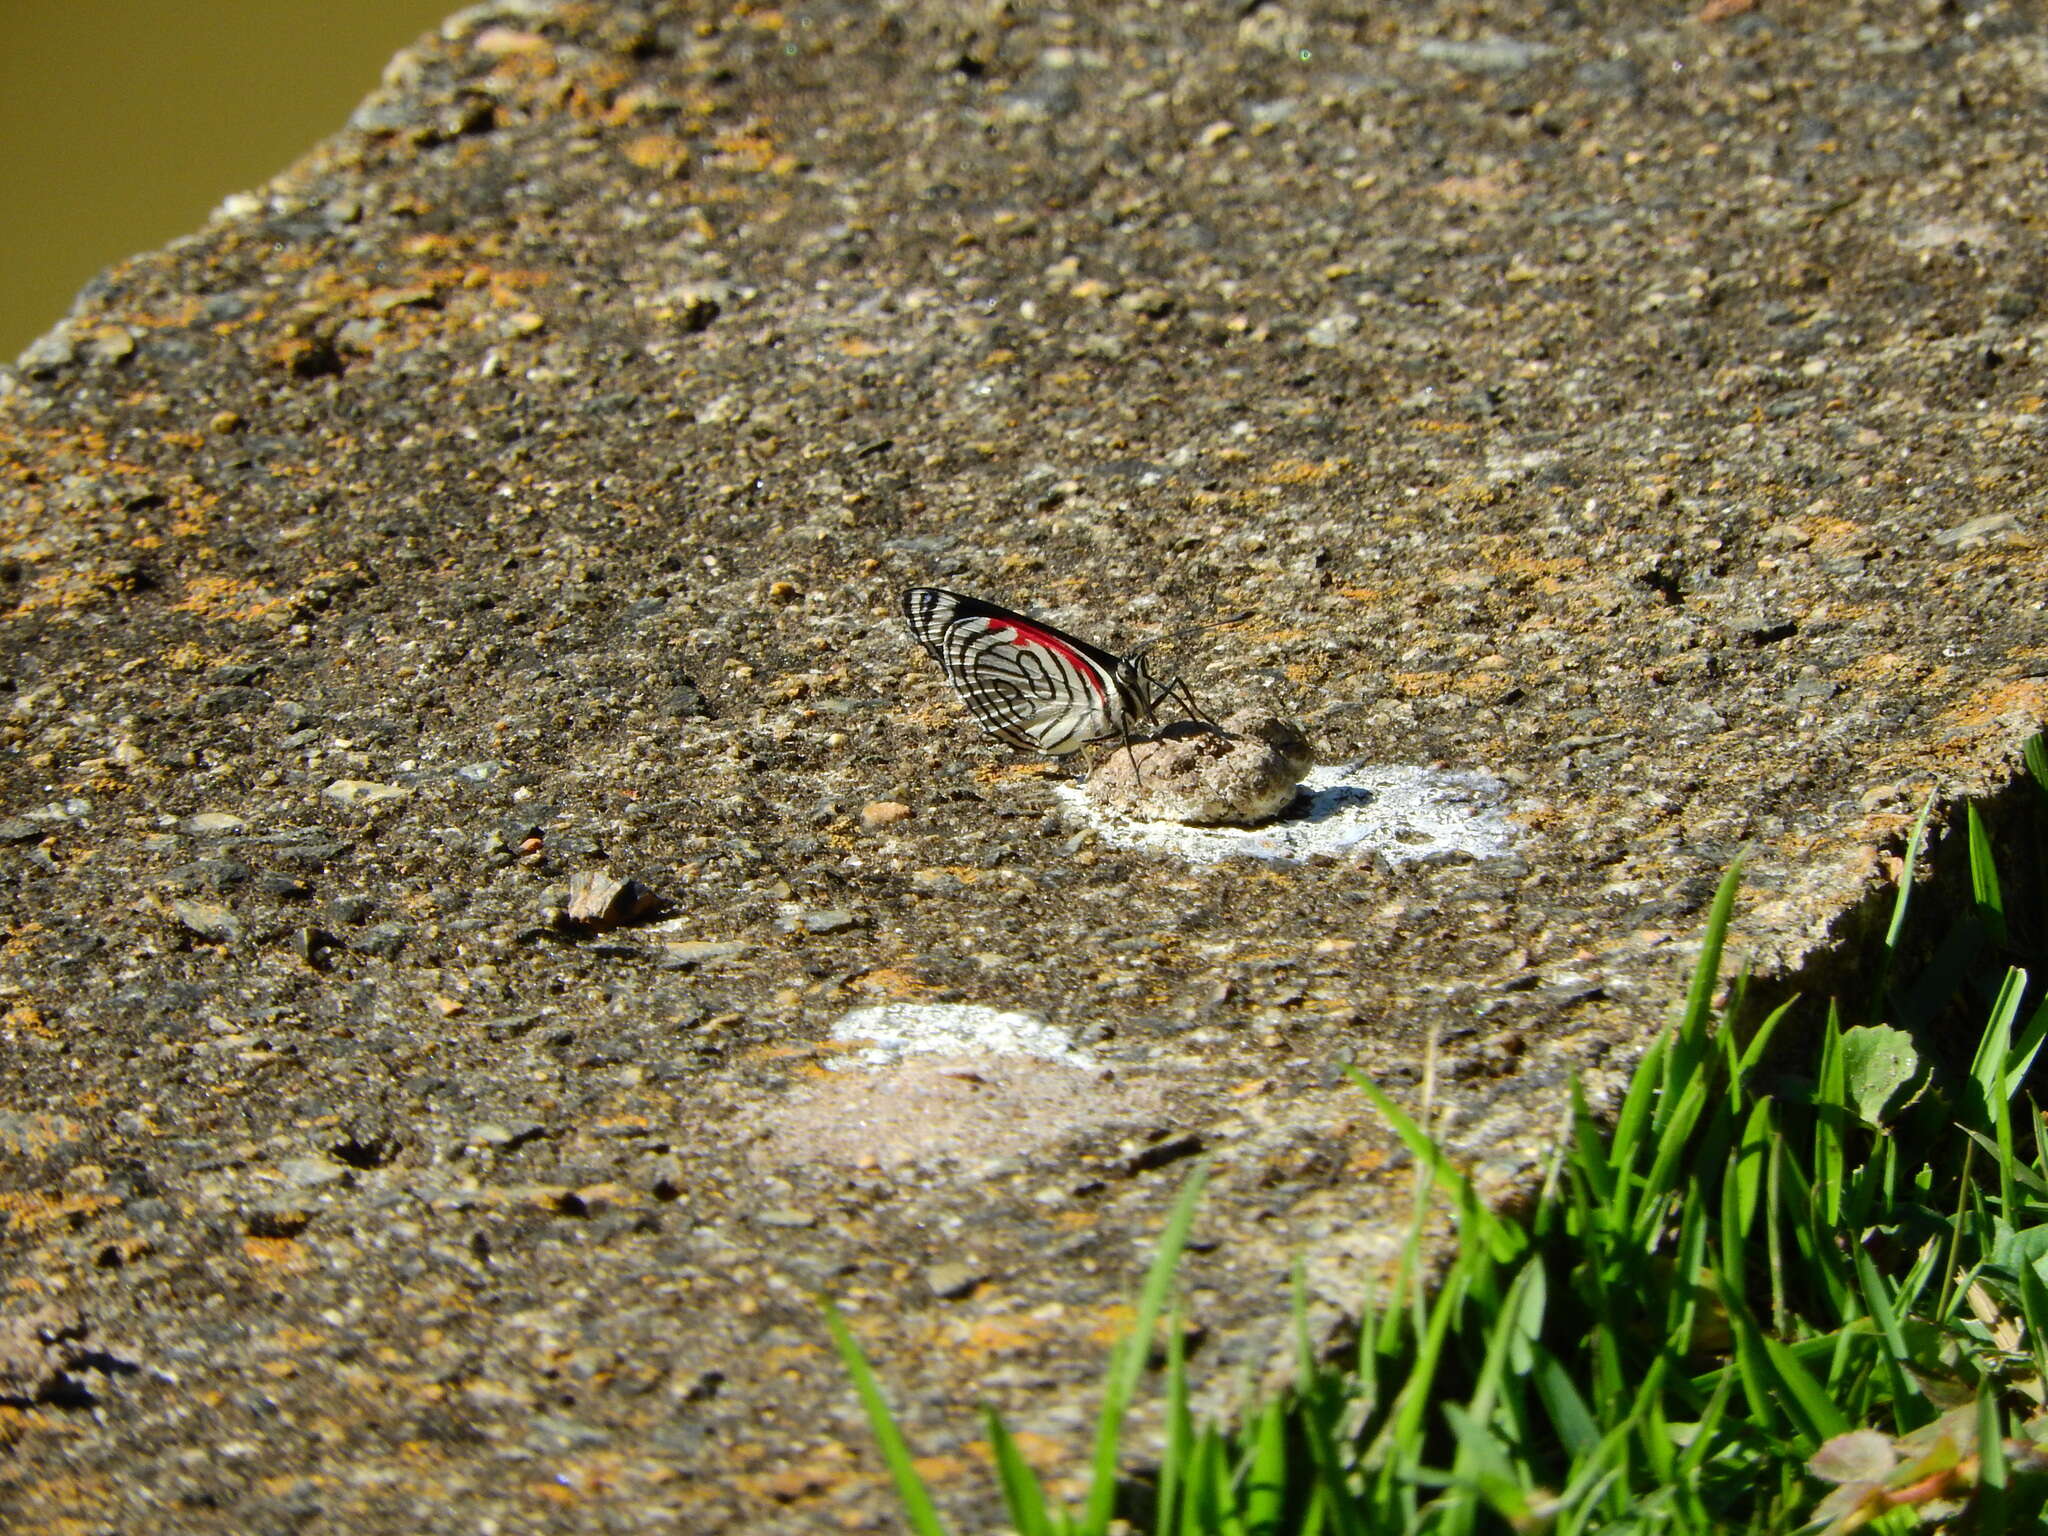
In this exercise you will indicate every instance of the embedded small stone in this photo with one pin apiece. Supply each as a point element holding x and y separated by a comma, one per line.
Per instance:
<point>208,920</point>
<point>312,1172</point>
<point>213,824</point>
<point>598,900</point>
<point>687,954</point>
<point>363,792</point>
<point>952,1280</point>
<point>1240,773</point>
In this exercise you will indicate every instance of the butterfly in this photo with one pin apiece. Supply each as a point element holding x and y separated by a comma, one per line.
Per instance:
<point>1033,686</point>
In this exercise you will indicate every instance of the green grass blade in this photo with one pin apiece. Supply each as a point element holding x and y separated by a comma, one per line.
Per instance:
<point>1915,844</point>
<point>1206,1510</point>
<point>1743,1189</point>
<point>2035,754</point>
<point>1896,1355</point>
<point>1830,1122</point>
<point>1265,1484</point>
<point>1505,1240</point>
<point>917,1502</point>
<point>1707,1432</point>
<point>1180,1432</point>
<point>1485,1467</point>
<point>1627,1136</point>
<point>1402,1431</point>
<point>1984,878</point>
<point>1699,998</point>
<point>1022,1495</point>
<point>2019,1060</point>
<point>1988,1071</point>
<point>1778,1387</point>
<point>1577,1430</point>
<point>1674,1145</point>
<point>1759,1043</point>
<point>1588,1155</point>
<point>1776,1222</point>
<point>1128,1366</point>
<point>1993,1473</point>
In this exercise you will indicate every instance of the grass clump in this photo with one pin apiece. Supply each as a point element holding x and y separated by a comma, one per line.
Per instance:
<point>1755,1303</point>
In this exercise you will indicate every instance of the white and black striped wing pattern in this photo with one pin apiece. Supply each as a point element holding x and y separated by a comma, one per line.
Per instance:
<point>1025,683</point>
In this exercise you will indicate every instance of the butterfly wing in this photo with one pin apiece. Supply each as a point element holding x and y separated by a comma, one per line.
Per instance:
<point>1025,683</point>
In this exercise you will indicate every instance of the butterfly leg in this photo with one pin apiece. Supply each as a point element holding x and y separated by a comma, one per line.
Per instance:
<point>1178,688</point>
<point>1136,772</point>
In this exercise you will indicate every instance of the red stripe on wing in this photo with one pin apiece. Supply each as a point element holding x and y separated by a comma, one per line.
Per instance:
<point>1031,634</point>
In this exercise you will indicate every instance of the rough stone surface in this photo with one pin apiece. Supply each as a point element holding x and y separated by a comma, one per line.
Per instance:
<point>1240,774</point>
<point>1645,413</point>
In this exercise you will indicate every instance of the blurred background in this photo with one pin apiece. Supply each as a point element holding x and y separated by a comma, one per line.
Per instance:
<point>124,122</point>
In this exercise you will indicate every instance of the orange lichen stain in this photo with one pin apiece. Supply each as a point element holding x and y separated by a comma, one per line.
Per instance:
<point>24,938</point>
<point>1272,636</point>
<point>891,981</point>
<point>72,1495</point>
<point>214,597</point>
<point>662,152</point>
<point>68,591</point>
<point>1008,1335</point>
<point>1422,685</point>
<point>38,1134</point>
<point>2011,701</point>
<point>276,1253</point>
<point>25,1018</point>
<point>1005,771</point>
<point>1365,1160</point>
<point>744,149</point>
<point>1116,1322</point>
<point>1883,667</point>
<point>1521,563</point>
<point>189,657</point>
<point>1303,471</point>
<point>939,1469</point>
<point>1493,190</point>
<point>786,1357</point>
<point>1834,535</point>
<point>792,1484</point>
<point>29,1212</point>
<point>181,313</point>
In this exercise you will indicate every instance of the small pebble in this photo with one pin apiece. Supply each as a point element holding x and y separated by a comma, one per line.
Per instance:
<point>883,813</point>
<point>212,824</point>
<point>312,1172</point>
<point>951,1281</point>
<point>363,792</point>
<point>211,922</point>
<point>598,901</point>
<point>689,953</point>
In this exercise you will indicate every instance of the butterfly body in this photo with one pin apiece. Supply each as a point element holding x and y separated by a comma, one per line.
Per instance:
<point>1030,685</point>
